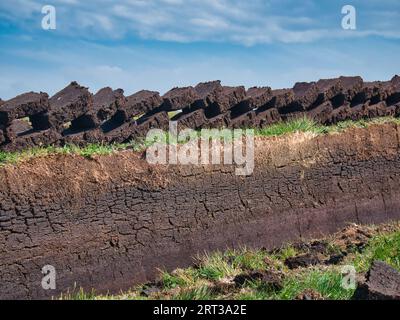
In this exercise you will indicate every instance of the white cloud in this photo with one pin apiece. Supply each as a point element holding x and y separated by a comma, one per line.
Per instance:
<point>138,67</point>
<point>246,22</point>
<point>210,22</point>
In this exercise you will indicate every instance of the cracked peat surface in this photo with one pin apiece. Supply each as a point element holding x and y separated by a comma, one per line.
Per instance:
<point>111,221</point>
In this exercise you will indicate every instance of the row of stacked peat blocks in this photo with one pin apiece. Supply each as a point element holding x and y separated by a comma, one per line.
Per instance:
<point>75,116</point>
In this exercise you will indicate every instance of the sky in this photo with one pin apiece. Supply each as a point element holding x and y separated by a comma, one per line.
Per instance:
<point>160,44</point>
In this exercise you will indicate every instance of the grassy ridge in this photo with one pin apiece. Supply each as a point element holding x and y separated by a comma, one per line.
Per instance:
<point>212,274</point>
<point>281,128</point>
<point>307,125</point>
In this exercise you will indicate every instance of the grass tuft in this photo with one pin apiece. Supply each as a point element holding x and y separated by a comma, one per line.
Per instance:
<point>384,247</point>
<point>215,266</point>
<point>202,292</point>
<point>328,283</point>
<point>303,124</point>
<point>247,259</point>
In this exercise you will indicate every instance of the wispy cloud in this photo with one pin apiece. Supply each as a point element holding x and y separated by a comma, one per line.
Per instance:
<point>158,44</point>
<point>247,22</point>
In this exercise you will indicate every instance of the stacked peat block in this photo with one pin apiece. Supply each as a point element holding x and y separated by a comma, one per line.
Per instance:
<point>86,128</point>
<point>254,110</point>
<point>24,105</point>
<point>266,108</point>
<point>319,99</point>
<point>263,105</point>
<point>216,100</point>
<point>105,104</point>
<point>298,100</point>
<point>17,128</point>
<point>393,98</point>
<point>72,113</point>
<point>65,106</point>
<point>228,98</point>
<point>140,105</point>
<point>75,116</point>
<point>333,94</point>
<point>327,101</point>
<point>183,100</point>
<point>204,106</point>
<point>355,99</point>
<point>179,98</point>
<point>159,120</point>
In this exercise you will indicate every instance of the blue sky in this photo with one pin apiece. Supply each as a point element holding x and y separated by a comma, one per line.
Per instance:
<point>158,44</point>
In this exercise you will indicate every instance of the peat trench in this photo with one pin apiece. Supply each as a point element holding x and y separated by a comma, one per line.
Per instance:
<point>113,220</point>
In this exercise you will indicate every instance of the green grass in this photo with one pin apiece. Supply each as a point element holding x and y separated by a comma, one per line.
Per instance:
<point>326,282</point>
<point>180,277</point>
<point>384,247</point>
<point>305,124</point>
<point>80,295</point>
<point>247,259</point>
<point>298,125</point>
<point>215,266</point>
<point>201,292</point>
<point>86,151</point>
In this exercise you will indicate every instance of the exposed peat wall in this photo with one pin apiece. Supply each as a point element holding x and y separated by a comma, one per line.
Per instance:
<point>111,221</point>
